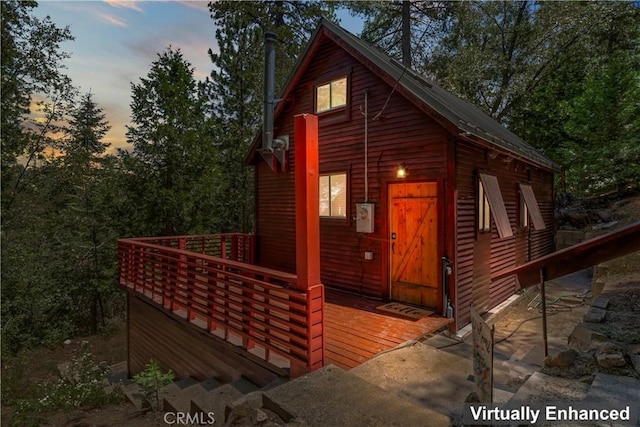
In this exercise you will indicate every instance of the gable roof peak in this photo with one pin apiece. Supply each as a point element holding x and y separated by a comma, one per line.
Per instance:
<point>470,121</point>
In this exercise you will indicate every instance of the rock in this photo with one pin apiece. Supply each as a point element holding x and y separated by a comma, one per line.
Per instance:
<point>601,302</point>
<point>472,398</point>
<point>635,361</point>
<point>67,342</point>
<point>609,347</point>
<point>594,315</point>
<point>605,226</point>
<point>611,360</point>
<point>587,379</point>
<point>259,416</point>
<point>564,359</point>
<point>604,217</point>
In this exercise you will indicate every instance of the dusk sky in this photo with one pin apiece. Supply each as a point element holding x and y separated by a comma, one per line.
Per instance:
<point>117,40</point>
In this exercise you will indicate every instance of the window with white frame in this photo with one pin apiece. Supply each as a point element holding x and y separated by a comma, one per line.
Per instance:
<point>333,195</point>
<point>332,95</point>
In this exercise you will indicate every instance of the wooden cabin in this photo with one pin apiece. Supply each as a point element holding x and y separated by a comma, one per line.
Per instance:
<point>420,200</point>
<point>423,197</point>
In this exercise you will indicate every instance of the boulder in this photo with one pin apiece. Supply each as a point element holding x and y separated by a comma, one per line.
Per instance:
<point>564,359</point>
<point>611,360</point>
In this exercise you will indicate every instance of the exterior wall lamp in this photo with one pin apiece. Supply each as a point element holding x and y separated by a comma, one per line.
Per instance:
<point>402,171</point>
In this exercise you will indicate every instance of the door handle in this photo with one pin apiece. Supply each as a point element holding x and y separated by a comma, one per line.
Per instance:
<point>393,247</point>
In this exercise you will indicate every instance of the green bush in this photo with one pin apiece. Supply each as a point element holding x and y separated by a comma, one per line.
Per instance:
<point>81,385</point>
<point>151,380</point>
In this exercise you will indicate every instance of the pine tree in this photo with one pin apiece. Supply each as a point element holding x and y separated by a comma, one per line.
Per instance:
<point>172,175</point>
<point>236,86</point>
<point>32,64</point>
<point>91,237</point>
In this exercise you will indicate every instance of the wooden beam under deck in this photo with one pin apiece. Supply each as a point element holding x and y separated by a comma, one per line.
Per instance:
<point>355,332</point>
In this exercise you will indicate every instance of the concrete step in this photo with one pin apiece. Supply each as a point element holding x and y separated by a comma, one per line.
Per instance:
<point>429,377</point>
<point>614,388</point>
<point>118,373</point>
<point>215,401</point>
<point>542,387</point>
<point>251,402</point>
<point>135,395</point>
<point>176,397</point>
<point>245,386</point>
<point>332,396</point>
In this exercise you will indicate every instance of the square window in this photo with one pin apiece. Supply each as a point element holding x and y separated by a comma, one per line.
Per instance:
<point>331,95</point>
<point>333,195</point>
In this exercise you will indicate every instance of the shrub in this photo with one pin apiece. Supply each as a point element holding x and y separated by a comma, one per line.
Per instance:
<point>82,385</point>
<point>151,380</point>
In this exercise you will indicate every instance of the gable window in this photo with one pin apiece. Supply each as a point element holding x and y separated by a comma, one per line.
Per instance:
<point>531,207</point>
<point>333,195</point>
<point>489,189</point>
<point>332,95</point>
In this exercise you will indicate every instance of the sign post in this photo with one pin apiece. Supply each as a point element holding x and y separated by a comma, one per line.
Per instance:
<point>482,356</point>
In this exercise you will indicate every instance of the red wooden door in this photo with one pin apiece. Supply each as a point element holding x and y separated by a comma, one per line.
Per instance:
<point>415,262</point>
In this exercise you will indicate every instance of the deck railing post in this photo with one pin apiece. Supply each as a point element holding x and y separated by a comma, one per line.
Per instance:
<point>308,238</point>
<point>234,247</point>
<point>182,244</point>
<point>223,246</point>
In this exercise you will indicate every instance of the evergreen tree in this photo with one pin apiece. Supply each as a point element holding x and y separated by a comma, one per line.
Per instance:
<point>32,74</point>
<point>34,298</point>
<point>171,174</point>
<point>91,232</point>
<point>236,86</point>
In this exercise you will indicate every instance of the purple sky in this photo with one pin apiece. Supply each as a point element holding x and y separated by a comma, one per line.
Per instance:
<point>117,40</point>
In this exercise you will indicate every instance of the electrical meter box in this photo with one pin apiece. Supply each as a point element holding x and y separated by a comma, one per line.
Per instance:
<point>364,217</point>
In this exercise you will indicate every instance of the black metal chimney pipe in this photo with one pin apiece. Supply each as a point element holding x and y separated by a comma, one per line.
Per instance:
<point>269,84</point>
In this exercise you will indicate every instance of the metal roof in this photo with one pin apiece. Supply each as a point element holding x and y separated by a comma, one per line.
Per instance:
<point>468,118</point>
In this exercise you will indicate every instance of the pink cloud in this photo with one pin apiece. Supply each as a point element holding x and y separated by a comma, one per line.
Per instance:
<point>113,20</point>
<point>129,4</point>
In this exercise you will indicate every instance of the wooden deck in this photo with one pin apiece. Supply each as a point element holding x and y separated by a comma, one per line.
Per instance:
<point>356,332</point>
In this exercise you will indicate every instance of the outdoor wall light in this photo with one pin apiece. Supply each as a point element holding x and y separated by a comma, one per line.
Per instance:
<point>402,171</point>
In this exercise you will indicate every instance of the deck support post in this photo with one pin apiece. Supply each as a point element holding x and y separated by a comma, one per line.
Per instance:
<point>308,238</point>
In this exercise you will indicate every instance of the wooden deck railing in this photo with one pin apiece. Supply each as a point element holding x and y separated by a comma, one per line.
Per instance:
<point>249,306</point>
<point>233,246</point>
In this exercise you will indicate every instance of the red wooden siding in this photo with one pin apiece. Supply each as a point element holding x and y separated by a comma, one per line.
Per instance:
<point>154,334</point>
<point>400,134</point>
<point>476,259</point>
